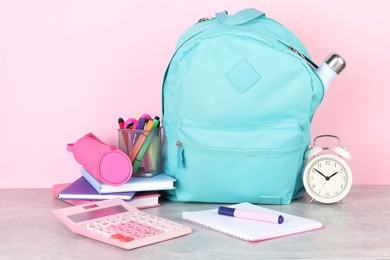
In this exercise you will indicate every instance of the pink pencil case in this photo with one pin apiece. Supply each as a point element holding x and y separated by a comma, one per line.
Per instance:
<point>106,163</point>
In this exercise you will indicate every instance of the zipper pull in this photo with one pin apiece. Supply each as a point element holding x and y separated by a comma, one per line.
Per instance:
<point>180,154</point>
<point>203,19</point>
<point>311,63</point>
<point>303,56</point>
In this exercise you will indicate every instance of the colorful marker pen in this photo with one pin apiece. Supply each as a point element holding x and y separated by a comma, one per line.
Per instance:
<point>258,216</point>
<point>151,124</point>
<point>121,123</point>
<point>131,123</point>
<point>147,116</point>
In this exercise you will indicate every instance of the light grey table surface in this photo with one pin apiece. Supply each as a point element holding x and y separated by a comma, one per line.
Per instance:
<point>357,229</point>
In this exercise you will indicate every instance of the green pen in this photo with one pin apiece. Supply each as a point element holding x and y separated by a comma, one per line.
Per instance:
<point>145,145</point>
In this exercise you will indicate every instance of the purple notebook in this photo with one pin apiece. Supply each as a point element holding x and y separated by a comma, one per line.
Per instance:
<point>82,190</point>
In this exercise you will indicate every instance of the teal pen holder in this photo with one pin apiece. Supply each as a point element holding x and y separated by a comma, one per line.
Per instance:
<point>145,147</point>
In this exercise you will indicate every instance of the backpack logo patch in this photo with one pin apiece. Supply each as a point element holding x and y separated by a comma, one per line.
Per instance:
<point>243,76</point>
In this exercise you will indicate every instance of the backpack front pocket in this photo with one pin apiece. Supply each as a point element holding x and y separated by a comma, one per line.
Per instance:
<point>225,162</point>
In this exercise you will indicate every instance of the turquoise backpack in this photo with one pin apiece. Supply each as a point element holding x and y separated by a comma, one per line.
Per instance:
<point>238,98</point>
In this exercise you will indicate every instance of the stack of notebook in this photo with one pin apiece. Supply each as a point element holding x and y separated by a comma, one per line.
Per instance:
<point>140,192</point>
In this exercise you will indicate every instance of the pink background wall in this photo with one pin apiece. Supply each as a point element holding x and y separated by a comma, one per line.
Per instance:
<point>72,67</point>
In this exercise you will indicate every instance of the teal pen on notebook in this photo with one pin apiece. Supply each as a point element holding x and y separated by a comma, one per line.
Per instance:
<point>252,215</point>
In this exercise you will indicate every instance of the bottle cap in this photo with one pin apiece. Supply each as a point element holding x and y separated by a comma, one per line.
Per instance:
<point>335,62</point>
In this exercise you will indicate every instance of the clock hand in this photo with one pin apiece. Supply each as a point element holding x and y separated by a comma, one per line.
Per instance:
<point>320,173</point>
<point>333,175</point>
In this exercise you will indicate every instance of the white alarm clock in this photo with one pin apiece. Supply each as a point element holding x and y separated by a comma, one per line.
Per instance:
<point>327,177</point>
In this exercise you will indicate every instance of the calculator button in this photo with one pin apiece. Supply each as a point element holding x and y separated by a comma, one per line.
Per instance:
<point>175,225</point>
<point>126,239</point>
<point>117,236</point>
<point>139,235</point>
<point>92,226</point>
<point>108,233</point>
<point>99,230</point>
<point>164,227</point>
<point>168,226</point>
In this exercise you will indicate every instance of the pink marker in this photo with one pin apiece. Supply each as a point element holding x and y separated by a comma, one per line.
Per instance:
<point>147,116</point>
<point>129,121</point>
<point>258,216</point>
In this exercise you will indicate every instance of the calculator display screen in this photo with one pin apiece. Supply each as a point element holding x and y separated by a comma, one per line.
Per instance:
<point>98,213</point>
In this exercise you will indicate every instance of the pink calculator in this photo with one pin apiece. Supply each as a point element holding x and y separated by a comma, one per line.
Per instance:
<point>117,223</point>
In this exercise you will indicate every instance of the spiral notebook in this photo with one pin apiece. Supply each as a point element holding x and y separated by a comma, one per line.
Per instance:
<point>251,230</point>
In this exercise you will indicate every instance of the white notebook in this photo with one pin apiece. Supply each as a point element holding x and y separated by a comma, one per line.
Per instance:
<point>251,230</point>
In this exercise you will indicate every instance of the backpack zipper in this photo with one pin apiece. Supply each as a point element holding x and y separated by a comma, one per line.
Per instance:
<point>180,154</point>
<point>303,56</point>
<point>222,151</point>
<point>203,19</point>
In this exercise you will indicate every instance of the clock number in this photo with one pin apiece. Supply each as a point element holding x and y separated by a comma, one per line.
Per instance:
<point>319,165</point>
<point>327,194</point>
<point>327,162</point>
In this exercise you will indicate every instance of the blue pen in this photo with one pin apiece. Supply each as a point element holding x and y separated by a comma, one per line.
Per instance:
<point>252,215</point>
<point>140,127</point>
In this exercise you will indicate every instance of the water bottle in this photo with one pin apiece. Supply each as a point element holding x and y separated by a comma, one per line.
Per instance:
<point>330,68</point>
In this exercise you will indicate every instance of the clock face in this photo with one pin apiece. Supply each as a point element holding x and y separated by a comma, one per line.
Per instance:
<point>327,178</point>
